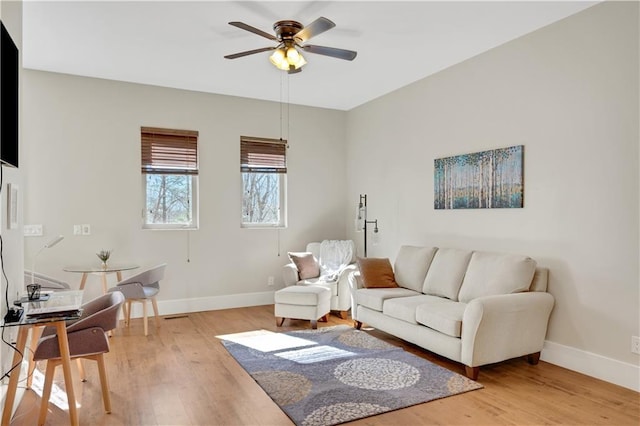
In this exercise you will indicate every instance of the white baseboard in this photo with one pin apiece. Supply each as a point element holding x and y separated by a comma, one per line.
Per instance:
<point>211,303</point>
<point>594,365</point>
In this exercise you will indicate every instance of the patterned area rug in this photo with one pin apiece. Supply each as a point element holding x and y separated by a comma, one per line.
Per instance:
<point>337,374</point>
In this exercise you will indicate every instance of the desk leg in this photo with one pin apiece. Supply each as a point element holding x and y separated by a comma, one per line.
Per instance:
<point>15,375</point>
<point>104,283</point>
<point>83,281</point>
<point>65,357</point>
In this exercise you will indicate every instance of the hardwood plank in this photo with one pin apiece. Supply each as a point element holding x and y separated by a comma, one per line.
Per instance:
<point>181,374</point>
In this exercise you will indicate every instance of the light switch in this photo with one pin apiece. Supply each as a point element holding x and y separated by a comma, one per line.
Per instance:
<point>32,230</point>
<point>86,229</point>
<point>77,229</point>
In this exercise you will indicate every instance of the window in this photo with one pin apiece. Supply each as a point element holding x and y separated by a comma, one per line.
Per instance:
<point>263,163</point>
<point>169,178</point>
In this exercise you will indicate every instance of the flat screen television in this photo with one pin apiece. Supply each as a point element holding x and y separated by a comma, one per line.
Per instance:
<point>9,71</point>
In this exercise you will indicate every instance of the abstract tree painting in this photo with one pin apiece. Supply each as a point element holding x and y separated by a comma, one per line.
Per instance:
<point>482,180</point>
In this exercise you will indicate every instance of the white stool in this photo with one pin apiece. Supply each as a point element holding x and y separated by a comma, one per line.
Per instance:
<point>307,302</point>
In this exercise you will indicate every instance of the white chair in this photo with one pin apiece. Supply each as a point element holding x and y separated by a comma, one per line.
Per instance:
<point>340,291</point>
<point>142,287</point>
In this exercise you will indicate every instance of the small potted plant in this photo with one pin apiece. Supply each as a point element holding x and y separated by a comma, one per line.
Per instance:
<point>104,255</point>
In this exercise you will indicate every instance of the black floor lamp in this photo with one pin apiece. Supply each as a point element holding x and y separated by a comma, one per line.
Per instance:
<point>362,221</point>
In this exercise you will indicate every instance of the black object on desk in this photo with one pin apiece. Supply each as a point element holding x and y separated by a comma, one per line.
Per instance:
<point>13,315</point>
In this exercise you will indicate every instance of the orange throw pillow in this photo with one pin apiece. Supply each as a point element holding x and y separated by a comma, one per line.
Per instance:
<point>376,273</point>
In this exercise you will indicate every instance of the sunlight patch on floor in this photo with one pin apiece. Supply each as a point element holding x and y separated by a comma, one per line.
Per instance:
<point>266,341</point>
<point>314,354</point>
<point>58,395</point>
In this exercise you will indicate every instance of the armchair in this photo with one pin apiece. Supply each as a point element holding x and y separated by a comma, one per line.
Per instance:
<point>87,339</point>
<point>339,285</point>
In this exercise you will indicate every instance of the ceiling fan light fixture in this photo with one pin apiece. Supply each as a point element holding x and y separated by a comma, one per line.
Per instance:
<point>286,58</point>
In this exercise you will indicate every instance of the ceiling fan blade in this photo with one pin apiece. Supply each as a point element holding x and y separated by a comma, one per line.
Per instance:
<point>249,52</point>
<point>254,30</point>
<point>318,26</point>
<point>348,55</point>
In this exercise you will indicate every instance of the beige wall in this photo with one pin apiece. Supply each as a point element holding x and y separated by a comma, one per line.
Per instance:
<point>82,166</point>
<point>569,94</point>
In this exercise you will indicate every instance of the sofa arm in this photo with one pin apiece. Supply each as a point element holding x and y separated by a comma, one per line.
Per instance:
<point>344,293</point>
<point>496,328</point>
<point>290,274</point>
<point>354,285</point>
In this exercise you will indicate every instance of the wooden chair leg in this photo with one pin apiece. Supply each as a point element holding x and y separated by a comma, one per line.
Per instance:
<point>36,333</point>
<point>154,304</point>
<point>104,382</point>
<point>46,391</point>
<point>144,315</point>
<point>128,321</point>
<point>83,375</point>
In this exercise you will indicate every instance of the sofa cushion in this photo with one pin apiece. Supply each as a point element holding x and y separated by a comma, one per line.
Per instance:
<point>446,273</point>
<point>306,264</point>
<point>496,273</point>
<point>373,298</point>
<point>411,266</point>
<point>444,316</point>
<point>331,285</point>
<point>376,273</point>
<point>404,308</point>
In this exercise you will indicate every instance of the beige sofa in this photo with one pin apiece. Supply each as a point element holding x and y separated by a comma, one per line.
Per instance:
<point>473,307</point>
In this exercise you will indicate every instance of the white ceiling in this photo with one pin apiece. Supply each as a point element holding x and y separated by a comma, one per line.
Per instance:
<point>181,44</point>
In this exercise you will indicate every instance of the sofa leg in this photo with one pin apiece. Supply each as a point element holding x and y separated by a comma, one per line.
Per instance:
<point>279,321</point>
<point>343,314</point>
<point>472,372</point>
<point>533,358</point>
<point>314,324</point>
<point>357,324</point>
<point>324,318</point>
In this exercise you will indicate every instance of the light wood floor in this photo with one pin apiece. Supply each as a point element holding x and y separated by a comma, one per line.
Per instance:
<point>181,375</point>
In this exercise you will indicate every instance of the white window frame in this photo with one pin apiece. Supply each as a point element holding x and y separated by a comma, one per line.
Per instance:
<point>170,152</point>
<point>282,206</point>
<point>265,165</point>
<point>193,224</point>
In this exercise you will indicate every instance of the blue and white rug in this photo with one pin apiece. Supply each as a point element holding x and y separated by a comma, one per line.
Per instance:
<point>338,374</point>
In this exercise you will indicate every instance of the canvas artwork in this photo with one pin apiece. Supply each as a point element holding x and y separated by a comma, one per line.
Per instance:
<point>481,180</point>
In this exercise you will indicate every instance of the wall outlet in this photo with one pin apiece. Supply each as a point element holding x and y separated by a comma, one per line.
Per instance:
<point>635,344</point>
<point>86,229</point>
<point>270,281</point>
<point>32,230</point>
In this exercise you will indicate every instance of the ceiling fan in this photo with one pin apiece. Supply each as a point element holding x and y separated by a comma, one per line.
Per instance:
<point>291,36</point>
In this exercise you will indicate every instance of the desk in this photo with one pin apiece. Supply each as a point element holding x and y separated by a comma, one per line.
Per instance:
<point>62,299</point>
<point>85,270</point>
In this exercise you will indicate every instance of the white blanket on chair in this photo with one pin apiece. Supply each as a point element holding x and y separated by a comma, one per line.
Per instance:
<point>335,255</point>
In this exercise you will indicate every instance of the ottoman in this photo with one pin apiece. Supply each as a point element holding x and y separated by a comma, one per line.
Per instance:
<point>306,302</point>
